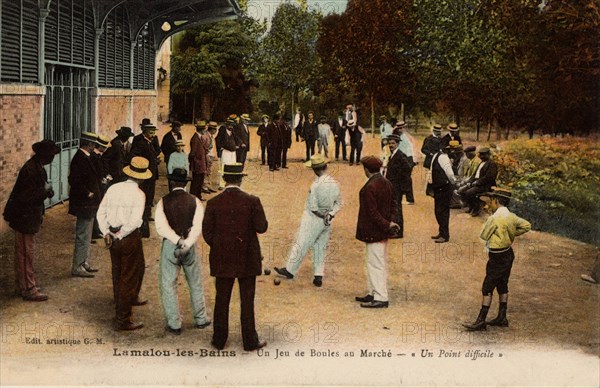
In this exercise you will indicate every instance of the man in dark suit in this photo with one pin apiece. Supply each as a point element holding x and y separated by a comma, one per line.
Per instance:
<point>198,160</point>
<point>242,132</point>
<point>143,145</point>
<point>442,184</point>
<point>264,142</point>
<point>398,173</point>
<point>310,132</point>
<point>375,220</point>
<point>116,154</point>
<point>286,137</point>
<point>432,144</point>
<point>24,213</point>
<point>275,144</point>
<point>168,141</point>
<point>482,182</point>
<point>339,134</point>
<point>84,199</point>
<point>452,135</point>
<point>230,226</point>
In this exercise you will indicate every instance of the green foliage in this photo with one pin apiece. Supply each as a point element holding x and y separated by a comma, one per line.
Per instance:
<point>556,183</point>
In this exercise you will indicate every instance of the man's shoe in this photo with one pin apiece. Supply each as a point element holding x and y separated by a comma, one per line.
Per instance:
<point>318,281</point>
<point>441,240</point>
<point>81,273</point>
<point>351,163</point>
<point>375,304</point>
<point>89,268</point>
<point>364,299</point>
<point>37,297</point>
<point>284,272</point>
<point>475,326</point>
<point>435,237</point>
<point>170,330</point>
<point>260,345</point>
<point>206,191</point>
<point>410,203</point>
<point>130,326</point>
<point>588,278</point>
<point>202,325</point>
<point>140,302</point>
<point>498,321</point>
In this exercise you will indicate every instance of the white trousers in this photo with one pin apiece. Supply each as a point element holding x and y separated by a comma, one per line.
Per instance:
<point>312,234</point>
<point>377,258</point>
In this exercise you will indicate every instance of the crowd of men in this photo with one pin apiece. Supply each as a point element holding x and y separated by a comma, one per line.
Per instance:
<point>112,189</point>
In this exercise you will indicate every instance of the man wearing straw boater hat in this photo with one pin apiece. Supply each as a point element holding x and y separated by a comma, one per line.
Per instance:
<point>168,145</point>
<point>499,232</point>
<point>120,216</point>
<point>324,201</point>
<point>116,154</point>
<point>227,144</point>
<point>452,135</point>
<point>84,198</point>
<point>179,222</point>
<point>432,144</point>
<point>24,213</point>
<point>231,222</point>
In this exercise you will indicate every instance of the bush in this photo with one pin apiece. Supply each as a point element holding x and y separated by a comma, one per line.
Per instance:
<point>556,183</point>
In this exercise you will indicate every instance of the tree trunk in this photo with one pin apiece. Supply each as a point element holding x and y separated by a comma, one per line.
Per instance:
<point>205,106</point>
<point>402,111</point>
<point>507,133</point>
<point>457,118</point>
<point>478,127</point>
<point>194,109</point>
<point>373,114</point>
<point>489,136</point>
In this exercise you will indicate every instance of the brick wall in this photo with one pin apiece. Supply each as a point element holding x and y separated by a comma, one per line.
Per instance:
<point>20,127</point>
<point>117,108</point>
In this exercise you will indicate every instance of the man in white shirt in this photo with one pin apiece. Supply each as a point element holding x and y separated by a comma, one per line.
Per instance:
<point>324,201</point>
<point>178,219</point>
<point>120,217</point>
<point>442,183</point>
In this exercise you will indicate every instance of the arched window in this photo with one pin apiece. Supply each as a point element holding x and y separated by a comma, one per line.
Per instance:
<point>114,53</point>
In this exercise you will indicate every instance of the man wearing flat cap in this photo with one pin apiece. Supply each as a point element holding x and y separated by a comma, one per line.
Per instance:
<point>179,222</point>
<point>143,145</point>
<point>120,216</point>
<point>116,155</point>
<point>84,198</point>
<point>499,233</point>
<point>167,145</point>
<point>375,221</point>
<point>398,172</point>
<point>323,202</point>
<point>481,182</point>
<point>24,213</point>
<point>452,135</point>
<point>231,223</point>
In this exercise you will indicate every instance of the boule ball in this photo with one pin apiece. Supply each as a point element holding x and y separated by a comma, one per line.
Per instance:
<point>276,282</point>
<point>267,271</point>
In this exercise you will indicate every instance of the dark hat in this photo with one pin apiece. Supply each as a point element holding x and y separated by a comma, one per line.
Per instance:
<point>179,142</point>
<point>45,148</point>
<point>145,121</point>
<point>499,192</point>
<point>453,127</point>
<point>149,127</point>
<point>484,150</point>
<point>138,168</point>
<point>125,131</point>
<point>175,124</point>
<point>323,118</point>
<point>234,169</point>
<point>470,148</point>
<point>394,137</point>
<point>179,175</point>
<point>372,163</point>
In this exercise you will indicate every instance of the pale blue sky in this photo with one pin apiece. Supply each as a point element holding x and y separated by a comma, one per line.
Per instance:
<point>260,9</point>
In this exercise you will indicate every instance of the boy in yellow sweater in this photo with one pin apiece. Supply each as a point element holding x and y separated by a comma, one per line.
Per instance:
<point>499,232</point>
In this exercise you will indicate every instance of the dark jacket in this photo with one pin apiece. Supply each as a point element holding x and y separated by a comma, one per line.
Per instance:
<point>487,175</point>
<point>377,209</point>
<point>431,146</point>
<point>310,131</point>
<point>286,133</point>
<point>198,155</point>
<point>25,206</point>
<point>274,136</point>
<point>116,159</point>
<point>339,131</point>
<point>242,132</point>
<point>84,192</point>
<point>230,226</point>
<point>262,132</point>
<point>446,140</point>
<point>398,172</point>
<point>225,141</point>
<point>146,149</point>
<point>168,144</point>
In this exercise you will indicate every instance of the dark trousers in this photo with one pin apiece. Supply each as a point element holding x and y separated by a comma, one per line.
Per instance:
<point>274,157</point>
<point>148,187</point>
<point>197,184</point>
<point>471,197</point>
<point>128,266</point>
<point>310,148</point>
<point>399,217</point>
<point>408,189</point>
<point>284,157</point>
<point>340,141</point>
<point>497,272</point>
<point>240,155</point>
<point>263,153</point>
<point>441,200</point>
<point>355,150</point>
<point>224,287</point>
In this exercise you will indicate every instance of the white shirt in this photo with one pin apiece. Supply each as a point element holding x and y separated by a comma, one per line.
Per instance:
<point>479,169</point>
<point>164,229</point>
<point>122,205</point>
<point>324,195</point>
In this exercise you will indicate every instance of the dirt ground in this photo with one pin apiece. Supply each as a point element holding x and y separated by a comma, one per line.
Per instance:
<point>553,338</point>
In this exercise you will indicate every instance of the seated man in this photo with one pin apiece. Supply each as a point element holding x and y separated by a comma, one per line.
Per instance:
<point>482,182</point>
